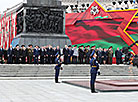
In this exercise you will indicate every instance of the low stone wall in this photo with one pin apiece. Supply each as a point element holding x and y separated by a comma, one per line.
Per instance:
<point>69,70</point>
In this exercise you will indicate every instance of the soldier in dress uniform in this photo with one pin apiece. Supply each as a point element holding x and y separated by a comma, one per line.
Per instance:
<point>110,55</point>
<point>23,54</point>
<point>36,54</point>
<point>94,69</point>
<point>57,67</point>
<point>10,55</point>
<point>30,54</point>
<point>1,54</point>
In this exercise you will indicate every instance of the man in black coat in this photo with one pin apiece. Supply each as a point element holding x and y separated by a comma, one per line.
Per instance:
<point>50,54</point>
<point>23,54</point>
<point>66,53</point>
<point>1,54</point>
<point>118,55</point>
<point>17,53</point>
<point>42,55</point>
<point>10,54</point>
<point>81,54</point>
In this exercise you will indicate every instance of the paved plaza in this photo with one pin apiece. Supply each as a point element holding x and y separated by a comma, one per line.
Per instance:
<point>48,91</point>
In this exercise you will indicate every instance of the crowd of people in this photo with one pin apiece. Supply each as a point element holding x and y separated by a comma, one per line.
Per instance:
<point>47,54</point>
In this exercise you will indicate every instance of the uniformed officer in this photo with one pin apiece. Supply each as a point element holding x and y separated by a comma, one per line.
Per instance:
<point>30,54</point>
<point>94,69</point>
<point>110,55</point>
<point>57,67</point>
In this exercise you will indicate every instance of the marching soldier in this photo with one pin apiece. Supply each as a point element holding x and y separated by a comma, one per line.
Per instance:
<point>57,67</point>
<point>94,69</point>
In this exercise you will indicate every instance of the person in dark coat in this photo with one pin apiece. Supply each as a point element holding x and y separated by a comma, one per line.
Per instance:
<point>110,55</point>
<point>42,55</point>
<point>104,56</point>
<point>30,51</point>
<point>118,55</point>
<point>87,55</point>
<point>46,55</point>
<point>94,69</point>
<point>70,54</point>
<point>5,56</point>
<point>17,53</point>
<point>58,50</point>
<point>81,54</point>
<point>57,67</point>
<point>23,54</point>
<point>1,54</point>
<point>99,52</point>
<point>10,55</point>
<point>36,54</point>
<point>50,54</point>
<point>54,55</point>
<point>66,53</point>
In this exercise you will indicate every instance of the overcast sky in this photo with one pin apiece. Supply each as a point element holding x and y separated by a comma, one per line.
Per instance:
<point>4,4</point>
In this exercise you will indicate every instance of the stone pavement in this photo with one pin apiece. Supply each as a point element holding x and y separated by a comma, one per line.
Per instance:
<point>48,91</point>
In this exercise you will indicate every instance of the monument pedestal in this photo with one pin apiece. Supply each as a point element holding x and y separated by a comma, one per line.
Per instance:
<point>41,22</point>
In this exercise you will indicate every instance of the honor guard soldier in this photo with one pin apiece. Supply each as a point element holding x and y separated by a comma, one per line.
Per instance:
<point>94,69</point>
<point>57,67</point>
